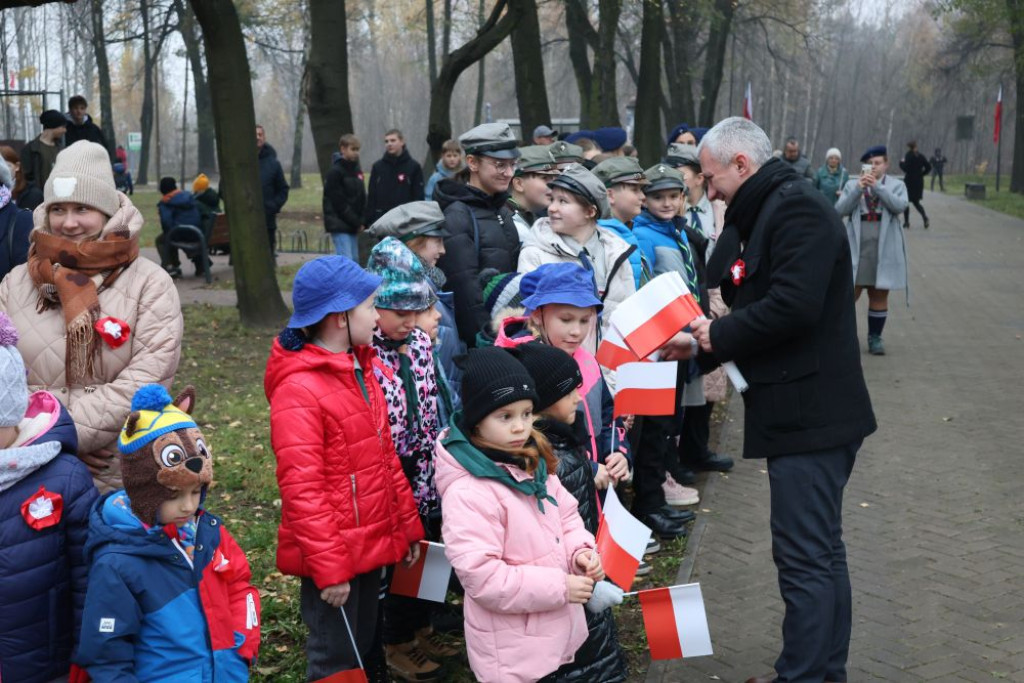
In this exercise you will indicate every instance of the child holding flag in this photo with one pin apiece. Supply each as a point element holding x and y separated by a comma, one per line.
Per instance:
<point>512,532</point>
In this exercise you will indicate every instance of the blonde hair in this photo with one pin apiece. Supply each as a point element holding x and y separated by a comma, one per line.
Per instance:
<point>530,453</point>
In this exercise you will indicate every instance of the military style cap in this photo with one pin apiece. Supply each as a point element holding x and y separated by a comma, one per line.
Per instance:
<point>682,155</point>
<point>407,221</point>
<point>620,170</point>
<point>536,159</point>
<point>578,180</point>
<point>663,177</point>
<point>566,151</point>
<point>876,151</point>
<point>491,140</point>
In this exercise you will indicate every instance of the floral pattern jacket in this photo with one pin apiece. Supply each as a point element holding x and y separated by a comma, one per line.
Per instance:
<point>415,447</point>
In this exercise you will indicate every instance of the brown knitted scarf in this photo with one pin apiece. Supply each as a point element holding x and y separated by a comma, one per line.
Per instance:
<point>63,271</point>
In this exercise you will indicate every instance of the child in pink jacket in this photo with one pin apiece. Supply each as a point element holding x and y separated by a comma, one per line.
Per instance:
<point>511,531</point>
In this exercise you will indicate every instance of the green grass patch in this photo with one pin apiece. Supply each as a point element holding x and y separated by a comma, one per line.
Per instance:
<point>285,278</point>
<point>1003,201</point>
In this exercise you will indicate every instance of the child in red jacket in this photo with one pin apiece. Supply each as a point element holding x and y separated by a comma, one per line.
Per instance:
<point>346,507</point>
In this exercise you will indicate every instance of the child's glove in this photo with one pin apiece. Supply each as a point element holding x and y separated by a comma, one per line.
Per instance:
<point>605,595</point>
<point>78,675</point>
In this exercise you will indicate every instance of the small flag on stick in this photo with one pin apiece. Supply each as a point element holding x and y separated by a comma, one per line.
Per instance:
<point>621,541</point>
<point>646,389</point>
<point>675,621</point>
<point>613,352</point>
<point>748,104</point>
<point>428,578</point>
<point>649,318</point>
<point>999,116</point>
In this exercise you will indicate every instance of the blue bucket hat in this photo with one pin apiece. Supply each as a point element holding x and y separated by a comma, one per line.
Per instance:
<point>559,283</point>
<point>329,284</point>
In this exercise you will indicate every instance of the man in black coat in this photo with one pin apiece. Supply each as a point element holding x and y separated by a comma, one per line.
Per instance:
<point>275,189</point>
<point>783,263</point>
<point>482,232</point>
<point>80,124</point>
<point>395,179</point>
<point>345,198</point>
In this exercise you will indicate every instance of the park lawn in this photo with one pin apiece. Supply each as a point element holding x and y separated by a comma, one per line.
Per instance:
<point>225,362</point>
<point>1004,201</point>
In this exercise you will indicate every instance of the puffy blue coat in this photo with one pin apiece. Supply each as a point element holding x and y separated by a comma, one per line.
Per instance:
<point>178,208</point>
<point>153,615</point>
<point>637,259</point>
<point>450,347</point>
<point>42,572</point>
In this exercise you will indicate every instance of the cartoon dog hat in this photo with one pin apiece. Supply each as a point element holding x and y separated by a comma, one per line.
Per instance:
<point>162,450</point>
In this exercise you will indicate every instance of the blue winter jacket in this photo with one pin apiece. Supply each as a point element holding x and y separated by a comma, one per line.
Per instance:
<point>439,174</point>
<point>153,615</point>
<point>178,208</point>
<point>15,225</point>
<point>659,241</point>
<point>43,573</point>
<point>450,347</point>
<point>641,266</point>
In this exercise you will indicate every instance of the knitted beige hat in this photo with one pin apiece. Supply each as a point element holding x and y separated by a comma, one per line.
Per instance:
<point>82,174</point>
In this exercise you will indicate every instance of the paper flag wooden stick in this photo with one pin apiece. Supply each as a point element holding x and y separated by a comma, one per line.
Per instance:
<point>621,541</point>
<point>649,318</point>
<point>675,621</point>
<point>428,578</point>
<point>646,389</point>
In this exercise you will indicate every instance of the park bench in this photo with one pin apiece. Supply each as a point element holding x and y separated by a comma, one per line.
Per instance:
<point>974,190</point>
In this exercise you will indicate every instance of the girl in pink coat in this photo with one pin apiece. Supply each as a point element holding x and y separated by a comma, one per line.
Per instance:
<point>511,531</point>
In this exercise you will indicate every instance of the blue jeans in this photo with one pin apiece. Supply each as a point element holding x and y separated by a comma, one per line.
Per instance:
<point>346,245</point>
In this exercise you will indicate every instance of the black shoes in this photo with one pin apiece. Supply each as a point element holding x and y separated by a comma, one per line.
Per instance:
<point>678,516</point>
<point>663,526</point>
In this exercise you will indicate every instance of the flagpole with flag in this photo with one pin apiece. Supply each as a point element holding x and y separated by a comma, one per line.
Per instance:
<point>748,104</point>
<point>997,138</point>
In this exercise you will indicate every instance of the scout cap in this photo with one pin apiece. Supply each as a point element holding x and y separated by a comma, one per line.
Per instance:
<point>618,170</point>
<point>536,159</point>
<point>663,177</point>
<point>566,151</point>
<point>578,180</point>
<point>682,155</point>
<point>415,219</point>
<point>544,132</point>
<point>492,140</point>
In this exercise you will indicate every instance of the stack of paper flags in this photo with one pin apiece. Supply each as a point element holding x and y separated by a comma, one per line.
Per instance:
<point>675,621</point>
<point>621,541</point>
<point>652,316</point>
<point>428,578</point>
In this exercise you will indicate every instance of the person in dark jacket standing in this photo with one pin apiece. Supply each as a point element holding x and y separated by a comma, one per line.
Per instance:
<point>483,234</point>
<point>345,199</point>
<point>938,163</point>
<point>39,155</point>
<point>915,167</point>
<point>15,224</point>
<point>395,179</point>
<point>783,264</point>
<point>275,189</point>
<point>80,124</point>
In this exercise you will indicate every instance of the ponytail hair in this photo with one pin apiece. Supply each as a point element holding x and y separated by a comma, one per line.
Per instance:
<point>536,447</point>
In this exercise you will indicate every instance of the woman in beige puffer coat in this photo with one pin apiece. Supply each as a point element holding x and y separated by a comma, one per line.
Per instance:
<point>96,321</point>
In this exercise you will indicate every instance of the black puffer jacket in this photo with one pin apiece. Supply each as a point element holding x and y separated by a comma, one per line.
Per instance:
<point>344,197</point>
<point>482,236</point>
<point>275,189</point>
<point>599,659</point>
<point>394,180</point>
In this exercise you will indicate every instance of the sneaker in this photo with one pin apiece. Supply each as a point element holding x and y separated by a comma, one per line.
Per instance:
<point>652,546</point>
<point>434,645</point>
<point>875,345</point>
<point>408,663</point>
<point>644,569</point>
<point>926,223</point>
<point>677,494</point>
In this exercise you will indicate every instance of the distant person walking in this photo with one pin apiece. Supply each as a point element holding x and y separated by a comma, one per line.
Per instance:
<point>832,176</point>
<point>395,179</point>
<point>915,167</point>
<point>275,189</point>
<point>938,163</point>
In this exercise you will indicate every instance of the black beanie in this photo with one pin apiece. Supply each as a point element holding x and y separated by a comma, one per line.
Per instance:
<point>168,185</point>
<point>555,373</point>
<point>51,118</point>
<point>492,378</point>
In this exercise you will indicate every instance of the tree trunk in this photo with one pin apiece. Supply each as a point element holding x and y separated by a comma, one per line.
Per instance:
<point>146,117</point>
<point>300,128</point>
<point>481,72</point>
<point>581,34</point>
<point>259,298</point>
<point>431,43</point>
<point>531,91</point>
<point>648,115</point>
<point>496,29</point>
<point>1015,9</point>
<point>103,72</point>
<point>714,59</point>
<point>206,153</point>
<point>677,63</point>
<point>326,79</point>
<point>605,100</point>
<point>446,34</point>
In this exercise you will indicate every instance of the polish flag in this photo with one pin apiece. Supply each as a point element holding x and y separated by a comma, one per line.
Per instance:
<point>428,578</point>
<point>612,351</point>
<point>748,104</point>
<point>649,318</point>
<point>646,389</point>
<point>621,541</point>
<point>999,116</point>
<point>675,621</point>
<point>349,676</point>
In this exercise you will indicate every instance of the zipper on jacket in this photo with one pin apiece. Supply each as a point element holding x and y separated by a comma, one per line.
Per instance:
<point>355,504</point>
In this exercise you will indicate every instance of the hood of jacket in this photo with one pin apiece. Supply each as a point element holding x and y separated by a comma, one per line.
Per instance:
<point>127,217</point>
<point>114,528</point>
<point>440,168</point>
<point>349,167</point>
<point>178,199</point>
<point>619,228</point>
<point>647,221</point>
<point>516,330</point>
<point>267,151</point>
<point>312,358</point>
<point>547,240</point>
<point>448,191</point>
<point>397,159</point>
<point>45,432</point>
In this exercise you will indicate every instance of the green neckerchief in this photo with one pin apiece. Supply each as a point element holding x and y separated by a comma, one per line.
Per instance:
<point>479,465</point>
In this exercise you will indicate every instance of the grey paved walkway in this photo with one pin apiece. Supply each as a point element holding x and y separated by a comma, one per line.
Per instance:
<point>934,513</point>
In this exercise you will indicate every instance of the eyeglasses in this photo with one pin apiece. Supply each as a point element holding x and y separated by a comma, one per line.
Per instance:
<point>502,166</point>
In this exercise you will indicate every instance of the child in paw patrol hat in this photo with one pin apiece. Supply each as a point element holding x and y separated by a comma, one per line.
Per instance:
<point>169,589</point>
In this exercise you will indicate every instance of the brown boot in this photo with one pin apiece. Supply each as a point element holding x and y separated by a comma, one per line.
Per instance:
<point>408,663</point>
<point>434,645</point>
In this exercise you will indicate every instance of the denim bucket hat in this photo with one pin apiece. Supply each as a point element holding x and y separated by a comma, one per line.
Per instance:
<point>329,284</point>
<point>559,283</point>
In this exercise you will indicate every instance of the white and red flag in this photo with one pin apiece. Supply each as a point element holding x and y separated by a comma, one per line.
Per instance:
<point>612,351</point>
<point>621,541</point>
<point>675,621</point>
<point>649,318</point>
<point>646,389</point>
<point>999,116</point>
<point>748,104</point>
<point>347,676</point>
<point>428,578</point>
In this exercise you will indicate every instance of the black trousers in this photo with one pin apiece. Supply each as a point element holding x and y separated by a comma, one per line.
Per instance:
<point>808,549</point>
<point>403,616</point>
<point>693,438</point>
<point>654,445</point>
<point>272,231</point>
<point>329,648</point>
